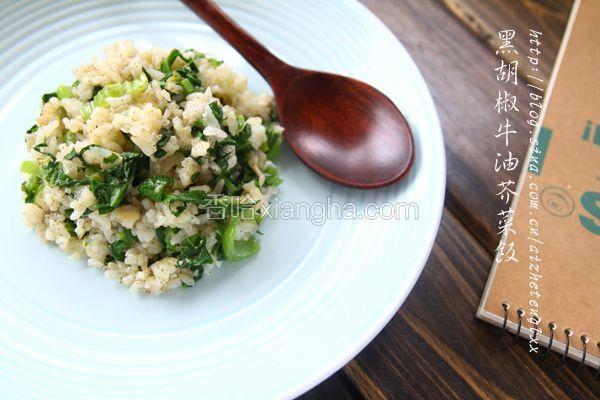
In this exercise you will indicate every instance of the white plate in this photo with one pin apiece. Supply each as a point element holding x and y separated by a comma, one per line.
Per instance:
<point>271,327</point>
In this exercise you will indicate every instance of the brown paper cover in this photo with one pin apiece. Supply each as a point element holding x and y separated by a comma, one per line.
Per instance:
<point>568,214</point>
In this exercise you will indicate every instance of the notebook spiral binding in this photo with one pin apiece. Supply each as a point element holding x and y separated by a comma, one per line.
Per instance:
<point>552,326</point>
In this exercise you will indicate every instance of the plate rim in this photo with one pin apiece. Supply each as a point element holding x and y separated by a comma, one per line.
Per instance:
<point>393,308</point>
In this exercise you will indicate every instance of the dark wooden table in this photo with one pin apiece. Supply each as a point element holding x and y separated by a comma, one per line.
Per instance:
<point>434,348</point>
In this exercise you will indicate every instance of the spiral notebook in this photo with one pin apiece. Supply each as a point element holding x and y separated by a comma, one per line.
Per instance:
<point>556,223</point>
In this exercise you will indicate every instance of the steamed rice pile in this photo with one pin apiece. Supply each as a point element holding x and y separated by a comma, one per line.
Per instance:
<point>154,164</point>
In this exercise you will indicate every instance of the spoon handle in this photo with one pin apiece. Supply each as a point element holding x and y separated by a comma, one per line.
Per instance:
<point>270,67</point>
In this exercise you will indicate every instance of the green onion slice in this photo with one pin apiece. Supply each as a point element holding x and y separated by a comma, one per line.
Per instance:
<point>31,168</point>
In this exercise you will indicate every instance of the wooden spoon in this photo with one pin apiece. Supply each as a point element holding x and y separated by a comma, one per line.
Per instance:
<point>344,129</point>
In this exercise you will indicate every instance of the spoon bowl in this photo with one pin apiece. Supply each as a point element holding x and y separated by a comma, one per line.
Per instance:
<point>344,129</point>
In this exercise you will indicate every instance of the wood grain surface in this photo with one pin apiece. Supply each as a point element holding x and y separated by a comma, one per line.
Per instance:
<point>485,18</point>
<point>434,348</point>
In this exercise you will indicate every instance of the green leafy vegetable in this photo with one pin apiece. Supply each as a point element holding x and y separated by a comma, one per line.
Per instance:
<point>47,96</point>
<point>190,196</point>
<point>87,148</point>
<point>230,187</point>
<point>191,253</point>
<point>118,248</point>
<point>164,139</point>
<point>40,149</point>
<point>198,128</point>
<point>111,159</point>
<point>194,255</point>
<point>54,175</point>
<point>219,206</point>
<point>109,186</point>
<point>222,154</point>
<point>134,166</point>
<point>273,142</point>
<point>165,78</point>
<point>166,65</point>
<point>108,195</point>
<point>236,250</point>
<point>148,76</point>
<point>32,188</point>
<point>186,76</point>
<point>71,155</point>
<point>69,224</point>
<point>241,173</point>
<point>217,110</point>
<point>32,129</point>
<point>164,235</point>
<point>244,132</point>
<point>272,177</point>
<point>153,187</point>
